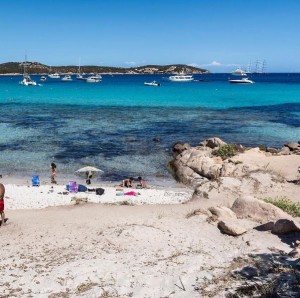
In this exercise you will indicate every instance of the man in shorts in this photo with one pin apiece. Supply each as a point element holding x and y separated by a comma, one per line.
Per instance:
<point>2,192</point>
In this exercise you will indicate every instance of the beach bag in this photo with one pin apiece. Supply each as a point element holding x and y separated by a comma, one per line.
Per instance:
<point>99,191</point>
<point>82,188</point>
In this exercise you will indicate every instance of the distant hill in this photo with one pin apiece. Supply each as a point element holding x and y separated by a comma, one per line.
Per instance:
<point>38,68</point>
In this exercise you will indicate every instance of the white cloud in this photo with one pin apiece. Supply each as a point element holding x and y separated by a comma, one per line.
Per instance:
<point>213,63</point>
<point>130,63</point>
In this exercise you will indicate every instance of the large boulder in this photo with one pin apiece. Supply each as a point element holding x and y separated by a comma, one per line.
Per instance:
<point>231,227</point>
<point>195,164</point>
<point>285,226</point>
<point>257,210</point>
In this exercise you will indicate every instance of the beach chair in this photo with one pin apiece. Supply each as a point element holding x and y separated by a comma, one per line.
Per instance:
<point>35,180</point>
<point>73,186</point>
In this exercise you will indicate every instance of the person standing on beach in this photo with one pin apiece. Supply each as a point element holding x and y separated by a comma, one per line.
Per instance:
<point>2,192</point>
<point>53,173</point>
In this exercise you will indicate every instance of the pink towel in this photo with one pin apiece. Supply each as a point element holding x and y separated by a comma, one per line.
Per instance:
<point>130,193</point>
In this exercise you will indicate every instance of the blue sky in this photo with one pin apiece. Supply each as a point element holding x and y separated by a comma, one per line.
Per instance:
<point>218,35</point>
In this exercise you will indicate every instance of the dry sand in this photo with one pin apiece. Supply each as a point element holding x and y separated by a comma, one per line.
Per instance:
<point>117,251</point>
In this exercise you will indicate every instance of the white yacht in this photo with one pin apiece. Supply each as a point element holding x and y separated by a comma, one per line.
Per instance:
<point>27,81</point>
<point>181,78</point>
<point>54,75</point>
<point>239,72</point>
<point>154,83</point>
<point>43,78</point>
<point>67,78</point>
<point>241,81</point>
<point>94,79</point>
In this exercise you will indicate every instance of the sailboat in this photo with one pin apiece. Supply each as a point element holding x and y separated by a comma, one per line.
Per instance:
<point>27,81</point>
<point>79,75</point>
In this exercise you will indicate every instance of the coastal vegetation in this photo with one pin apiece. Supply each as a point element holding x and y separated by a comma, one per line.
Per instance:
<point>39,68</point>
<point>225,151</point>
<point>290,207</point>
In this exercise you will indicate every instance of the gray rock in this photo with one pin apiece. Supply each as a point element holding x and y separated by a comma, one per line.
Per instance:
<point>272,150</point>
<point>285,151</point>
<point>212,142</point>
<point>292,145</point>
<point>222,212</point>
<point>231,227</point>
<point>180,147</point>
<point>285,226</point>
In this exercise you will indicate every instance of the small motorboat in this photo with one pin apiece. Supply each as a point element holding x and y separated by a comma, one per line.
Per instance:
<point>94,79</point>
<point>241,81</point>
<point>80,77</point>
<point>54,75</point>
<point>43,78</point>
<point>67,78</point>
<point>154,83</point>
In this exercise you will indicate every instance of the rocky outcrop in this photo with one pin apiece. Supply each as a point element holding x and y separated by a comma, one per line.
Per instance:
<point>212,143</point>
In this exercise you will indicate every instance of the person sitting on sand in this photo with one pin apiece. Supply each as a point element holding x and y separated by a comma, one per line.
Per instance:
<point>89,176</point>
<point>141,183</point>
<point>53,173</point>
<point>2,192</point>
<point>127,182</point>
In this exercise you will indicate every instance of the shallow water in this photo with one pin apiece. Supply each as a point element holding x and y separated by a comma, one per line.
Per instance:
<point>113,125</point>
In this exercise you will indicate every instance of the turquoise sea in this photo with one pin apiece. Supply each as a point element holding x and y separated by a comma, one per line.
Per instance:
<point>128,129</point>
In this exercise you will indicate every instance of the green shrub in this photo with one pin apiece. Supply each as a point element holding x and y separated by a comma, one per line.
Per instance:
<point>286,205</point>
<point>225,151</point>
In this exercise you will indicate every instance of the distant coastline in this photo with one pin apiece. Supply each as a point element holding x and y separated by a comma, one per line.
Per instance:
<point>16,68</point>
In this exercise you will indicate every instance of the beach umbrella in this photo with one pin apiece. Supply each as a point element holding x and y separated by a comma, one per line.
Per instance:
<point>88,172</point>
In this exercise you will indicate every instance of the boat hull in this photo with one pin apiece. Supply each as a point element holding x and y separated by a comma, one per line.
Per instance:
<point>241,82</point>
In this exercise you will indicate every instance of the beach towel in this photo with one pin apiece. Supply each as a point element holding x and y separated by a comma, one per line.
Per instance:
<point>130,193</point>
<point>73,186</point>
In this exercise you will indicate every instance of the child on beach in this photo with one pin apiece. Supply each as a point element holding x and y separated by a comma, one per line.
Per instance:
<point>2,192</point>
<point>53,173</point>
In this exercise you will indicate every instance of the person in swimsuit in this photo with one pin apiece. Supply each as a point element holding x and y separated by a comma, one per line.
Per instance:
<point>2,192</point>
<point>53,173</point>
<point>127,182</point>
<point>141,183</point>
